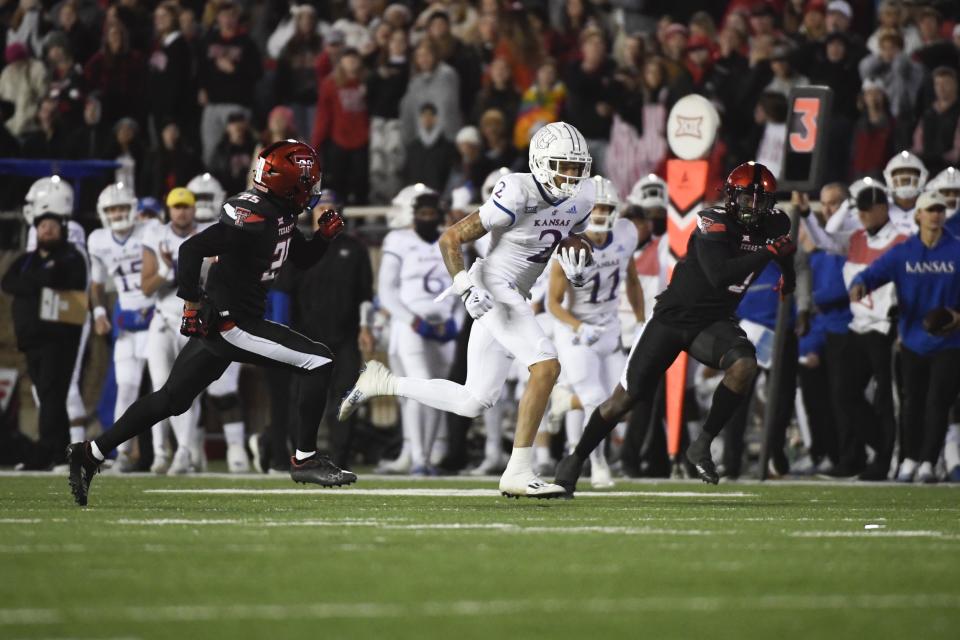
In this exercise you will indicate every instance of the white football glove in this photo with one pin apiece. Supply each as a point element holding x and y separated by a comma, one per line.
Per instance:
<point>477,300</point>
<point>574,264</point>
<point>587,334</point>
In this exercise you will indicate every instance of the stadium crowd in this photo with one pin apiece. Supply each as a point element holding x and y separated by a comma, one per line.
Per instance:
<point>447,92</point>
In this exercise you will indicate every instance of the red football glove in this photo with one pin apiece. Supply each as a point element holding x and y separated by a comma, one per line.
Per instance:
<point>782,247</point>
<point>330,224</point>
<point>191,325</point>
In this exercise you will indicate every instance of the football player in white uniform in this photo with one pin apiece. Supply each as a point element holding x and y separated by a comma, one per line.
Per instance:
<point>906,176</point>
<point>528,215</point>
<point>587,327</point>
<point>161,244</point>
<point>116,251</point>
<point>423,329</point>
<point>210,196</point>
<point>54,195</point>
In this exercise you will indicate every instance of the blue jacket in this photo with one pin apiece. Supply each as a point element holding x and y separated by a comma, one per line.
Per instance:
<point>759,303</point>
<point>925,279</point>
<point>829,294</point>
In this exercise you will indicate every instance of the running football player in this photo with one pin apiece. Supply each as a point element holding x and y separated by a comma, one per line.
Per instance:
<point>255,235</point>
<point>528,215</point>
<point>731,245</point>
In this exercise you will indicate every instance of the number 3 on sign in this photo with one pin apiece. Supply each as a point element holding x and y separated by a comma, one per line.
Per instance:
<point>808,109</point>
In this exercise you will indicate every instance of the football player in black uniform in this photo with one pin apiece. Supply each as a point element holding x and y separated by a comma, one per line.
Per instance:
<point>732,244</point>
<point>256,233</point>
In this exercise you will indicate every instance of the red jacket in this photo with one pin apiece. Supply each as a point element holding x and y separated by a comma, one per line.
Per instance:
<point>341,114</point>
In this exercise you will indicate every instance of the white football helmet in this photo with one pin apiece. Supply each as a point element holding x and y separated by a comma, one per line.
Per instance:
<point>48,195</point>
<point>210,196</point>
<point>554,144</point>
<point>400,213</point>
<point>117,195</point>
<point>650,192</point>
<point>947,182</point>
<point>487,189</point>
<point>601,222</point>
<point>911,175</point>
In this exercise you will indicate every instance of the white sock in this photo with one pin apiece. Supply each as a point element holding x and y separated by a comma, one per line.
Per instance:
<point>303,455</point>
<point>125,447</point>
<point>233,433</point>
<point>598,457</point>
<point>521,459</point>
<point>413,418</point>
<point>95,450</point>
<point>573,423</point>
<point>158,434</point>
<point>492,426</point>
<point>542,454</point>
<point>951,449</point>
<point>78,434</point>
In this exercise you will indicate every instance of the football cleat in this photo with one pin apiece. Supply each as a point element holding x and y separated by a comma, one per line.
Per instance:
<point>161,463</point>
<point>124,463</point>
<point>83,466</point>
<point>568,472</point>
<point>400,466</point>
<point>489,467</point>
<point>954,474</point>
<point>527,484</point>
<point>907,469</point>
<point>182,463</point>
<point>600,476</point>
<point>705,468</point>
<point>423,471</point>
<point>926,474</point>
<point>320,470</point>
<point>237,460</point>
<point>375,380</point>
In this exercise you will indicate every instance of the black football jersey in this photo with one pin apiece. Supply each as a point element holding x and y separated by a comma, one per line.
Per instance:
<point>723,258</point>
<point>253,238</point>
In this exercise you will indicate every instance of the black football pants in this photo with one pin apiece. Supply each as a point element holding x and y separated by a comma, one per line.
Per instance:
<point>253,341</point>
<point>930,386</point>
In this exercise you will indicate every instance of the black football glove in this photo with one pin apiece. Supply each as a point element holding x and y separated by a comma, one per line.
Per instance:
<point>782,247</point>
<point>191,325</point>
<point>330,224</point>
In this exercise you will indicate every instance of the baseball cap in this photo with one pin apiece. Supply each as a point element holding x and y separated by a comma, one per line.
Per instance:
<point>468,135</point>
<point>930,199</point>
<point>840,6</point>
<point>870,196</point>
<point>179,196</point>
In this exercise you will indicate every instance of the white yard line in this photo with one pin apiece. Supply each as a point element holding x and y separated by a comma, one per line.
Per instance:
<point>452,493</point>
<point>940,535</point>
<point>460,608</point>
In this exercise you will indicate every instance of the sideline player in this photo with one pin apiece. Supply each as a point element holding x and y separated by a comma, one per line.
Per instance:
<point>587,333</point>
<point>256,233</point>
<point>528,215</point>
<point>411,277</point>
<point>732,244</point>
<point>116,251</point>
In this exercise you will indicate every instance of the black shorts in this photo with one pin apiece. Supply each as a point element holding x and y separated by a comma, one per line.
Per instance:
<point>717,345</point>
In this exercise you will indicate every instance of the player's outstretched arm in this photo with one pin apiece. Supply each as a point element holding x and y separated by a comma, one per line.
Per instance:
<point>453,239</point>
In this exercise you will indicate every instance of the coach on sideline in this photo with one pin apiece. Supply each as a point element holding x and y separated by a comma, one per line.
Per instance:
<point>926,273</point>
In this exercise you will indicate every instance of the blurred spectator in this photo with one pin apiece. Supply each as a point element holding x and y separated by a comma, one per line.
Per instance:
<point>280,126</point>
<point>468,170</point>
<point>434,82</point>
<point>169,165</point>
<point>488,35</point>
<point>577,15</point>
<point>65,82</point>
<point>935,50</point>
<point>763,20</point>
<point>498,151</point>
<point>118,74</point>
<point>80,38</point>
<point>229,68</point>
<point>498,94</point>
<point>785,78</point>
<point>46,141</point>
<point>91,139</point>
<point>519,44</point>
<point>333,45</point>
<point>296,84</point>
<point>9,145</point>
<point>430,157</point>
<point>837,70</point>
<point>936,140</point>
<point>233,154</point>
<point>136,19</point>
<point>838,20</point>
<point>699,62</point>
<point>170,86</point>
<point>398,16</point>
<point>542,102</point>
<point>873,134</point>
<point>890,17</point>
<point>626,160</point>
<point>900,76</point>
<point>463,60</point>
<point>731,72</point>
<point>386,86</point>
<point>356,29</point>
<point>674,47</point>
<point>588,106</point>
<point>23,82</point>
<point>126,147</point>
<point>24,26</point>
<point>341,129</point>
<point>813,28</point>
<point>770,116</point>
<point>297,20</point>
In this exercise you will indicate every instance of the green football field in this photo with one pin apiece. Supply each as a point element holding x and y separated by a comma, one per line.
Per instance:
<point>259,557</point>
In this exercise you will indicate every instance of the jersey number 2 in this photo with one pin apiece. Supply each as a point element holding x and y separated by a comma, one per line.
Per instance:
<point>279,257</point>
<point>543,256</point>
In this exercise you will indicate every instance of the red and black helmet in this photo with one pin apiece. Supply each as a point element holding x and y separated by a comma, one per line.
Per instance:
<point>751,192</point>
<point>289,169</point>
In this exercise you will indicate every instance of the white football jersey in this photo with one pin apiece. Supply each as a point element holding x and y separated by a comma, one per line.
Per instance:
<point>598,300</point>
<point>162,239</point>
<point>904,218</point>
<point>122,261</point>
<point>526,225</point>
<point>422,276</point>
<point>75,234</point>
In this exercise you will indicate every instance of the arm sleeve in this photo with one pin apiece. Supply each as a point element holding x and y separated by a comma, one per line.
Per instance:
<point>215,240</point>
<point>804,278</point>
<point>831,243</point>
<point>306,253</point>
<point>722,268</point>
<point>388,286</point>
<point>505,203</point>
<point>880,272</point>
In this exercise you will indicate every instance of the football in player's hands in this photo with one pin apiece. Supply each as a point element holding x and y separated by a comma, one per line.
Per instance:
<point>576,243</point>
<point>937,320</point>
<point>330,224</point>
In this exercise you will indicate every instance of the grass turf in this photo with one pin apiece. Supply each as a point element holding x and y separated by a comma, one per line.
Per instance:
<point>673,560</point>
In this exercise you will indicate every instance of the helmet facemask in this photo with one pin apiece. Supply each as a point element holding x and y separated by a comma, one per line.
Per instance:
<point>751,204</point>
<point>602,218</point>
<point>905,183</point>
<point>118,217</point>
<point>565,176</point>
